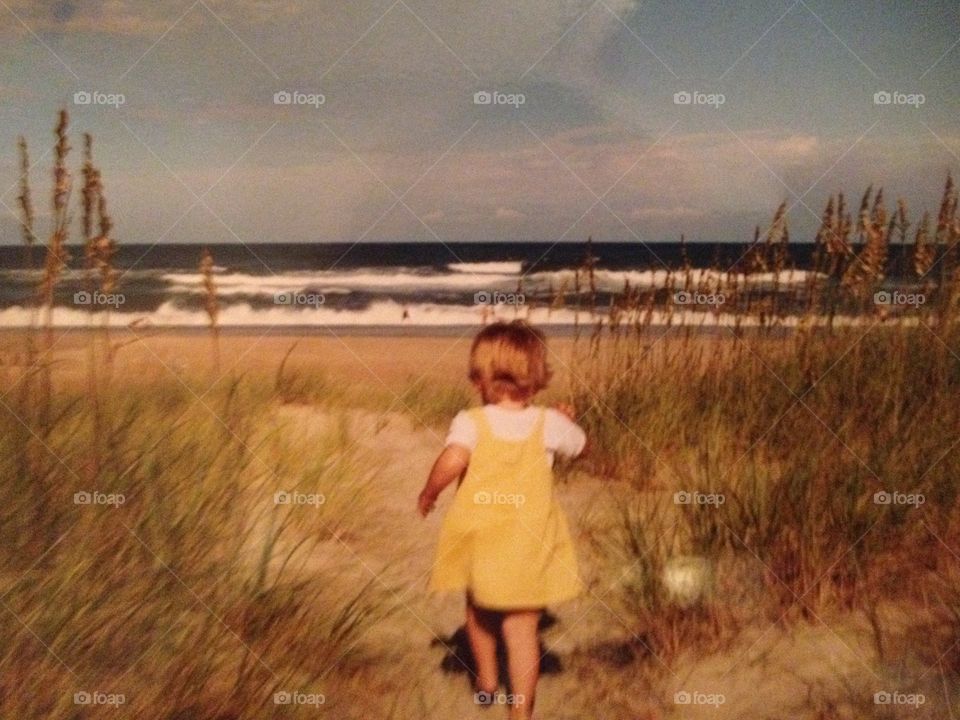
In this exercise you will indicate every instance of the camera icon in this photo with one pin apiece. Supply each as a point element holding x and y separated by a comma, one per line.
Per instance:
<point>682,498</point>
<point>282,698</point>
<point>82,298</point>
<point>281,498</point>
<point>282,97</point>
<point>482,97</point>
<point>682,297</point>
<point>882,298</point>
<point>682,98</point>
<point>882,498</point>
<point>882,98</point>
<point>82,498</point>
<point>483,698</point>
<point>482,498</point>
<point>283,298</point>
<point>682,698</point>
<point>82,97</point>
<point>882,698</point>
<point>482,298</point>
<point>82,698</point>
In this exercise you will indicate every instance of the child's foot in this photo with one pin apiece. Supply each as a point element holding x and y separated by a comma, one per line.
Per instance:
<point>521,711</point>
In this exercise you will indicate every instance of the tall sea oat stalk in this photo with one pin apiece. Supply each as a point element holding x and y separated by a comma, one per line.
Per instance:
<point>211,305</point>
<point>869,266</point>
<point>89,200</point>
<point>923,252</point>
<point>28,234</point>
<point>57,255</point>
<point>99,249</point>
<point>25,405</point>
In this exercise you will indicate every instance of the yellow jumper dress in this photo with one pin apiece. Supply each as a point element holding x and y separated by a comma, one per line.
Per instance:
<point>505,539</point>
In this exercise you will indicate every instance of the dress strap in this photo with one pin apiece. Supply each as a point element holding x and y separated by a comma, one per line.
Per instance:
<point>536,436</point>
<point>482,424</point>
<point>538,429</point>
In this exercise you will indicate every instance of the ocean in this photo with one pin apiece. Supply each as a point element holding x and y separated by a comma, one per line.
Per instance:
<point>388,285</point>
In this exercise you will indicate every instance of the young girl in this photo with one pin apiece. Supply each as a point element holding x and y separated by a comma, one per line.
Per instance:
<point>505,539</point>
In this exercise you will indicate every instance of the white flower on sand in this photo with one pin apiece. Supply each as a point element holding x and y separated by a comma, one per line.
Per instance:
<point>687,578</point>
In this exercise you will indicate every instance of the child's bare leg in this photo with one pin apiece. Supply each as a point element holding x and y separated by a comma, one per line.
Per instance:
<point>481,631</point>
<point>523,659</point>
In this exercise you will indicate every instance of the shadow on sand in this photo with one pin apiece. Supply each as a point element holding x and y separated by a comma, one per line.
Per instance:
<point>458,658</point>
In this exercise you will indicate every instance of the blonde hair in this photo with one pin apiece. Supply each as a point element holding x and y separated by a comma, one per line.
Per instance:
<point>509,360</point>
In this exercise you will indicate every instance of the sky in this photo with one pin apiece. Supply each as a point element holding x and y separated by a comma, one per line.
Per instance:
<point>616,119</point>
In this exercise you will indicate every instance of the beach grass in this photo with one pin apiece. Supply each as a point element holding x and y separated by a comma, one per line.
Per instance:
<point>171,572</point>
<point>198,539</point>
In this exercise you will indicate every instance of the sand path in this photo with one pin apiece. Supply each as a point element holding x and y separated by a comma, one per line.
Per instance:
<point>400,675</point>
<point>404,678</point>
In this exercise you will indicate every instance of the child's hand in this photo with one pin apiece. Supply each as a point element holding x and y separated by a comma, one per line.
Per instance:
<point>566,409</point>
<point>450,465</point>
<point>425,504</point>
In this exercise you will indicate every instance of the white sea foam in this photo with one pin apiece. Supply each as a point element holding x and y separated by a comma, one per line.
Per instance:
<point>507,267</point>
<point>234,284</point>
<point>385,313</point>
<point>246,284</point>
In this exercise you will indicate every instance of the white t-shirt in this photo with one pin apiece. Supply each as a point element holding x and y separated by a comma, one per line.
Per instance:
<point>560,434</point>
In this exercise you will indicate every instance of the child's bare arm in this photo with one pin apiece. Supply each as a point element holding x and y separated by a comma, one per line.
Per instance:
<point>568,410</point>
<point>448,467</point>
